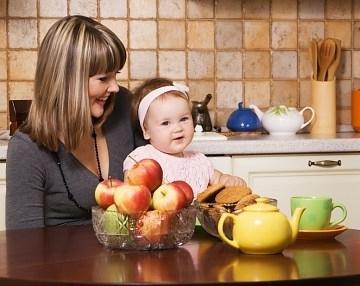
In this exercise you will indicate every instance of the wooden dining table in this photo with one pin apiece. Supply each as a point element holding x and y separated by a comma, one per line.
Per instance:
<point>71,255</point>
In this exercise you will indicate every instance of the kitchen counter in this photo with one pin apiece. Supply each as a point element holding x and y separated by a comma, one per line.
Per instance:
<point>256,143</point>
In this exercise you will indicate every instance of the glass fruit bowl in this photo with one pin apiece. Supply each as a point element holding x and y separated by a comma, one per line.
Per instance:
<point>144,231</point>
<point>209,214</point>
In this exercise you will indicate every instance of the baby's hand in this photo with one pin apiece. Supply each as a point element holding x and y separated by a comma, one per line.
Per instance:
<point>231,181</point>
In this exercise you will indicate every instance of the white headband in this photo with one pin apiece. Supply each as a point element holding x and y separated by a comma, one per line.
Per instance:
<point>151,96</point>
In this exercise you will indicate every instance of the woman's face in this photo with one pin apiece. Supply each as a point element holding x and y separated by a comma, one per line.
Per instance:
<point>100,88</point>
<point>169,125</point>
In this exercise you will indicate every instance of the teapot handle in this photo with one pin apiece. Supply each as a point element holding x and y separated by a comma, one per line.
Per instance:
<point>223,236</point>
<point>311,118</point>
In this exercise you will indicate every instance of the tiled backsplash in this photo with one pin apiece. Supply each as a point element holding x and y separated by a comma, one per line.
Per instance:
<point>255,51</point>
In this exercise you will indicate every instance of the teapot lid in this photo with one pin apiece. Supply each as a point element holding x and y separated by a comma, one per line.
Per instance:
<point>262,205</point>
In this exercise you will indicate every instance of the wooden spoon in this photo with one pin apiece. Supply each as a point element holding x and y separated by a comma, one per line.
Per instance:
<point>333,67</point>
<point>326,57</point>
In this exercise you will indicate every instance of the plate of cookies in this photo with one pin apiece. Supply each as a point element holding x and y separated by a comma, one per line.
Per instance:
<point>218,199</point>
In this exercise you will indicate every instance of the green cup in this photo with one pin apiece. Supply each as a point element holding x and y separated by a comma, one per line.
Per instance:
<point>317,212</point>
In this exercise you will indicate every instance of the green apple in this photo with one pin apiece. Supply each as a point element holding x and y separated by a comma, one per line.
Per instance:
<point>115,222</point>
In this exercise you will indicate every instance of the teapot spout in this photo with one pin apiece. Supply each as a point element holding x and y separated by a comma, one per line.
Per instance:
<point>295,220</point>
<point>257,110</point>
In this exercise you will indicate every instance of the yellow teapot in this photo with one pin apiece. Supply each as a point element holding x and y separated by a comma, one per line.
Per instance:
<point>261,228</point>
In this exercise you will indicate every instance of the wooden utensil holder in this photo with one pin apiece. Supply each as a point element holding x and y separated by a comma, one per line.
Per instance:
<point>323,96</point>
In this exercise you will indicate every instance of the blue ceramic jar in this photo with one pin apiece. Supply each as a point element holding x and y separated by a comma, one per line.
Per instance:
<point>243,119</point>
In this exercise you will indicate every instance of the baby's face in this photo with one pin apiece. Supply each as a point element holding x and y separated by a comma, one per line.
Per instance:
<point>169,125</point>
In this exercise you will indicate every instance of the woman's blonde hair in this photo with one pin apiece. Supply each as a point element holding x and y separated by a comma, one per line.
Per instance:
<point>74,49</point>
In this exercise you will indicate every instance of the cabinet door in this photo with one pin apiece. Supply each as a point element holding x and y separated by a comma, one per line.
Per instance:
<point>222,163</point>
<point>2,195</point>
<point>284,176</point>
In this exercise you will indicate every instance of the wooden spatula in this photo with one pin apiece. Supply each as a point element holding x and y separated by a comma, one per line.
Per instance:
<point>334,65</point>
<point>313,52</point>
<point>326,57</point>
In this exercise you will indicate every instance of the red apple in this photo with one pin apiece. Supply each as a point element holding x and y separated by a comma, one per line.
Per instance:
<point>188,191</point>
<point>104,192</point>
<point>168,197</point>
<point>132,199</point>
<point>146,172</point>
<point>154,224</point>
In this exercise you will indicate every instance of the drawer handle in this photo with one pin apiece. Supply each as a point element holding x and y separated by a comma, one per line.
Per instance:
<point>325,163</point>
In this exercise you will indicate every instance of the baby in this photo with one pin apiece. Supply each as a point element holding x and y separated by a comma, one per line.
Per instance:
<point>162,111</point>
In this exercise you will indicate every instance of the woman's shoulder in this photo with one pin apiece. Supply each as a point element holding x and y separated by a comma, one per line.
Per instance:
<point>21,144</point>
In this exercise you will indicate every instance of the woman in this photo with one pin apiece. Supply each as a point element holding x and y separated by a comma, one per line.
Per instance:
<point>78,131</point>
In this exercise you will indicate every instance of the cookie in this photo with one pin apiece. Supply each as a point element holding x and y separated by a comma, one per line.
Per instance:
<point>232,194</point>
<point>209,194</point>
<point>246,201</point>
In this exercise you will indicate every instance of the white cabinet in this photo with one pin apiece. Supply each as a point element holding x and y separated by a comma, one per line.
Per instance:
<point>222,163</point>
<point>2,194</point>
<point>283,176</point>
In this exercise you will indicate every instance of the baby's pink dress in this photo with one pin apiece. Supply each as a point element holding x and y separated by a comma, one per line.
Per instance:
<point>194,168</point>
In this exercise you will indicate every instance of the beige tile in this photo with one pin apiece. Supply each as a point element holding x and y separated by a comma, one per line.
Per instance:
<point>222,116</point>
<point>310,9</point>
<point>3,8</point>
<point>113,8</point>
<point>257,65</point>
<point>305,93</point>
<point>284,9</point>
<point>256,9</point>
<point>355,64</point>
<point>344,69</point>
<point>200,34</point>
<point>4,120</point>
<point>123,74</point>
<point>3,65</point>
<point>143,34</point>
<point>83,7</point>
<point>174,9</point>
<point>336,9</point>
<point>340,30</point>
<point>143,64</point>
<point>284,65</point>
<point>228,9</point>
<point>310,30</point>
<point>229,65</point>
<point>356,9</point>
<point>22,8</point>
<point>229,94</point>
<point>343,93</point>
<point>256,34</point>
<point>284,35</point>
<point>3,97</point>
<point>119,27</point>
<point>228,35</point>
<point>3,40</point>
<point>200,65</point>
<point>44,26</point>
<point>356,35</point>
<point>172,64</point>
<point>21,90</point>
<point>343,116</point>
<point>305,66</point>
<point>200,88</point>
<point>53,8</point>
<point>200,9</point>
<point>22,65</point>
<point>258,93</point>
<point>23,33</point>
<point>356,84</point>
<point>171,34</point>
<point>142,8</point>
<point>284,92</point>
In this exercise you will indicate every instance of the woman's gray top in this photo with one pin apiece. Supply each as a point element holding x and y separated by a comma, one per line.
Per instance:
<point>35,192</point>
